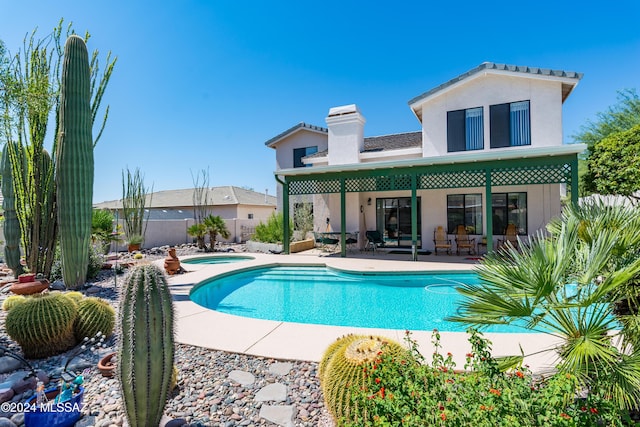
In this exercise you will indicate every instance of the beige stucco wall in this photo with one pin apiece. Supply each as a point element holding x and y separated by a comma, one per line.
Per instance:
<point>487,90</point>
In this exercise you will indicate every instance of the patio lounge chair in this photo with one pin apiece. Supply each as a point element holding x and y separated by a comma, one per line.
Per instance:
<point>441,240</point>
<point>463,241</point>
<point>374,240</point>
<point>326,241</point>
<point>510,236</point>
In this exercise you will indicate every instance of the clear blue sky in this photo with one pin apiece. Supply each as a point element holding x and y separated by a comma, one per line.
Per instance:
<point>203,84</point>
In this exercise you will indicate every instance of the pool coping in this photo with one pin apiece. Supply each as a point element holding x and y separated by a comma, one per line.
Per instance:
<point>202,327</point>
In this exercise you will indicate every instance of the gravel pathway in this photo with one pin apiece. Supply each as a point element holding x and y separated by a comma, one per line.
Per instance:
<point>215,388</point>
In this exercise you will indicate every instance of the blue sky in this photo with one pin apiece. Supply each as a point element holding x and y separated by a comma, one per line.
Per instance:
<point>203,84</point>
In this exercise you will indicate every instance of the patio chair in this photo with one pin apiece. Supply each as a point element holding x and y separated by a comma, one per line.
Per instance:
<point>463,241</point>
<point>325,242</point>
<point>441,240</point>
<point>374,240</point>
<point>352,240</point>
<point>510,236</point>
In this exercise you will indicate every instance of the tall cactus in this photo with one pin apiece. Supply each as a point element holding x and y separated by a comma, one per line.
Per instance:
<point>146,345</point>
<point>11,226</point>
<point>75,163</point>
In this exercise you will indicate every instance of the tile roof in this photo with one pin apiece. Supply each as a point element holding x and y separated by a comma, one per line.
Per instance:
<point>396,141</point>
<point>227,195</point>
<point>293,129</point>
<point>500,67</point>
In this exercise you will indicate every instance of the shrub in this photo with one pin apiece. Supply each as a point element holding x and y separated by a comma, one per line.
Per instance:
<point>416,394</point>
<point>96,261</point>
<point>273,230</point>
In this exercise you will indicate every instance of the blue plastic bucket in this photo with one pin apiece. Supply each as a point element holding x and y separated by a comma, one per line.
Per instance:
<point>63,414</point>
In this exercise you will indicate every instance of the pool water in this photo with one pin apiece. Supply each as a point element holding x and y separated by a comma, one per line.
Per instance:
<point>217,259</point>
<point>324,296</point>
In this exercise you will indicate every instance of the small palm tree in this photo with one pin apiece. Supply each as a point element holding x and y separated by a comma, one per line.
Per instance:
<point>215,225</point>
<point>567,284</point>
<point>198,231</point>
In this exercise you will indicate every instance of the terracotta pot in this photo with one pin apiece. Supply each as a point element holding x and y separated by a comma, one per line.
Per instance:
<point>29,287</point>
<point>134,247</point>
<point>172,262</point>
<point>26,278</point>
<point>105,366</point>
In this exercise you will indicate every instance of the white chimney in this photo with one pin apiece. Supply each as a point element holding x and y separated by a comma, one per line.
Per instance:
<point>346,134</point>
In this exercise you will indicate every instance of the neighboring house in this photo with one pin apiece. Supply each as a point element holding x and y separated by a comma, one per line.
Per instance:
<point>172,211</point>
<point>490,148</point>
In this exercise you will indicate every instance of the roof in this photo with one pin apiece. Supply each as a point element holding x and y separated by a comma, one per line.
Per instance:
<point>300,126</point>
<point>567,76</point>
<point>396,141</point>
<point>465,157</point>
<point>218,196</point>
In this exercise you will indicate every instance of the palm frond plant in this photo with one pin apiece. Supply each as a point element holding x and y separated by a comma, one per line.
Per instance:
<point>567,284</point>
<point>215,226</point>
<point>198,231</point>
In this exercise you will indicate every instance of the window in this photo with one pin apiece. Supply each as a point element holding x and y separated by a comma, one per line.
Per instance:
<point>509,208</point>
<point>299,153</point>
<point>393,220</point>
<point>510,124</point>
<point>465,130</point>
<point>250,216</point>
<point>464,209</point>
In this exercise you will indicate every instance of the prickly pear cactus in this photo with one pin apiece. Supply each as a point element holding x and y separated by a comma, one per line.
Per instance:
<point>345,364</point>
<point>94,315</point>
<point>146,345</point>
<point>43,325</point>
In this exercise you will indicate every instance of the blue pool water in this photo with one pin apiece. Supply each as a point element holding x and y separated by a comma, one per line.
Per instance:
<point>217,259</point>
<point>325,296</point>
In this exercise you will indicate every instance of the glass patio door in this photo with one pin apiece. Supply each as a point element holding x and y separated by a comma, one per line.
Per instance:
<point>393,217</point>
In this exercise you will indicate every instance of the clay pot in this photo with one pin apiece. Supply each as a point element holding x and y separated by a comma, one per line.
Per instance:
<point>29,288</point>
<point>133,247</point>
<point>105,366</point>
<point>172,262</point>
<point>26,278</point>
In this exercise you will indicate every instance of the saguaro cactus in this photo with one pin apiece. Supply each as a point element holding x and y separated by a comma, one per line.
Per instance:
<point>146,345</point>
<point>75,163</point>
<point>11,225</point>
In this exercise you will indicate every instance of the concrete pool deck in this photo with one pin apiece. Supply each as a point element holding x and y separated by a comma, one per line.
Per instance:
<point>207,328</point>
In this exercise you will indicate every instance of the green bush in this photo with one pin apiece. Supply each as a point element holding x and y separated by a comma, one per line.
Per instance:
<point>273,230</point>
<point>401,392</point>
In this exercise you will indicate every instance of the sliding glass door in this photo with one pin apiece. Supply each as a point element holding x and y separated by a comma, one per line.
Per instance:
<point>393,218</point>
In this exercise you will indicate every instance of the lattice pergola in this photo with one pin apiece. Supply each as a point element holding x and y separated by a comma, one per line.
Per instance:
<point>562,169</point>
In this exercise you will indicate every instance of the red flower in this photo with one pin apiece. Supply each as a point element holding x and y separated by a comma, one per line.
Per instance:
<point>594,410</point>
<point>449,355</point>
<point>441,408</point>
<point>583,409</point>
<point>470,355</point>
<point>494,391</point>
<point>519,374</point>
<point>443,416</point>
<point>565,416</point>
<point>378,380</point>
<point>381,392</point>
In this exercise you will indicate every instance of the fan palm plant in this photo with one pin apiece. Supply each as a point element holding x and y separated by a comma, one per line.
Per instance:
<point>215,226</point>
<point>198,231</point>
<point>566,284</point>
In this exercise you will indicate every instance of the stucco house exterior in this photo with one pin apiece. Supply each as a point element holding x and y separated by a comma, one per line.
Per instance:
<point>489,153</point>
<point>171,212</point>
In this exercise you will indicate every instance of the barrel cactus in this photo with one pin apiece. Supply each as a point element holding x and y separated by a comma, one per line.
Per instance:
<point>345,364</point>
<point>75,163</point>
<point>11,226</point>
<point>43,325</point>
<point>74,295</point>
<point>146,345</point>
<point>12,301</point>
<point>94,315</point>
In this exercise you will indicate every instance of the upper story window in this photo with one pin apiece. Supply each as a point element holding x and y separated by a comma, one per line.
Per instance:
<point>510,124</point>
<point>299,153</point>
<point>465,130</point>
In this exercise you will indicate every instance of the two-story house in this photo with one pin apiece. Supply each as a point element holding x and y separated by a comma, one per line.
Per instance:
<point>490,154</point>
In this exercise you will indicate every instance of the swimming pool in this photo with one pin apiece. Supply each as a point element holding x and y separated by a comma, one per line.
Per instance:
<point>223,259</point>
<point>325,296</point>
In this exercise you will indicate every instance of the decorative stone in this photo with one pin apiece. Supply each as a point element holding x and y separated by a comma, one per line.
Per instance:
<point>93,290</point>
<point>8,364</point>
<point>22,385</point>
<point>280,368</point>
<point>272,393</point>
<point>58,285</point>
<point>6,393</point>
<point>242,377</point>
<point>280,415</point>
<point>6,422</point>
<point>18,419</point>
<point>86,421</point>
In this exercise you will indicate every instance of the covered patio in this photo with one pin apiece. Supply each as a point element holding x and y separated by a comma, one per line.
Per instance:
<point>484,170</point>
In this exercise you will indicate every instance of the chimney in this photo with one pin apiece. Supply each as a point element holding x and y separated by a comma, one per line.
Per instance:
<point>346,134</point>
